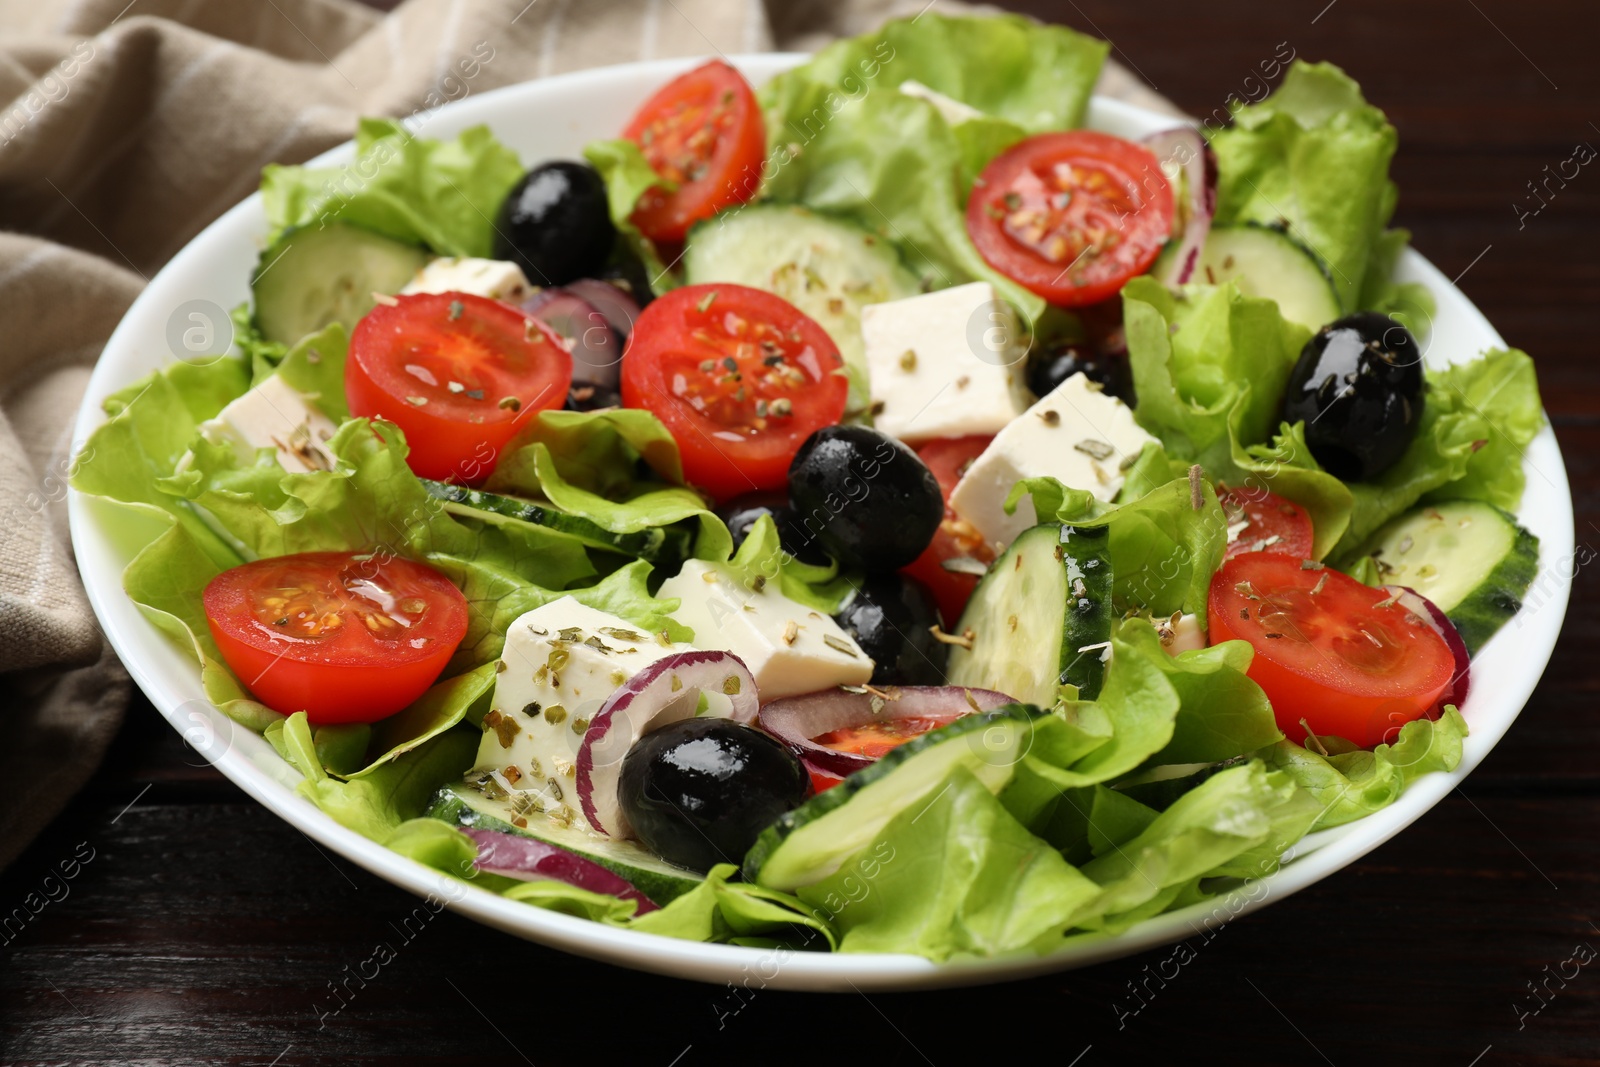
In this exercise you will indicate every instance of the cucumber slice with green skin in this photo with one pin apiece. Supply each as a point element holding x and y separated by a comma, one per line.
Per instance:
<point>827,268</point>
<point>814,840</point>
<point>461,805</point>
<point>658,544</point>
<point>1040,618</point>
<point>1470,558</point>
<point>311,278</point>
<point>1265,261</point>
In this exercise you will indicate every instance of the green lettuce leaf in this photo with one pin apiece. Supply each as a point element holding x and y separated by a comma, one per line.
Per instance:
<point>440,194</point>
<point>628,176</point>
<point>761,559</point>
<point>1349,782</point>
<point>1315,156</point>
<point>1477,420</point>
<point>739,913</point>
<point>1163,551</point>
<point>958,876</point>
<point>379,801</point>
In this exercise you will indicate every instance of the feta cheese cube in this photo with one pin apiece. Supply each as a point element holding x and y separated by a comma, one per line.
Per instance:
<point>1077,435</point>
<point>944,364</point>
<point>493,278</point>
<point>953,110</point>
<point>274,415</point>
<point>789,648</point>
<point>561,662</point>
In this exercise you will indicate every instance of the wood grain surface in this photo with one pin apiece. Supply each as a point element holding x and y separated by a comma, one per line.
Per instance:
<point>196,927</point>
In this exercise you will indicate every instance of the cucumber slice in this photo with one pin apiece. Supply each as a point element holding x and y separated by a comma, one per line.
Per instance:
<point>461,805</point>
<point>658,544</point>
<point>827,268</point>
<point>1470,558</point>
<point>1041,617</point>
<point>815,839</point>
<point>310,278</point>
<point>1264,261</point>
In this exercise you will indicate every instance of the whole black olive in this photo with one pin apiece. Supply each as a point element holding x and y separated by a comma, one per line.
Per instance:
<point>1054,364</point>
<point>555,224</point>
<point>700,791</point>
<point>866,497</point>
<point>742,513</point>
<point>1358,388</point>
<point>889,616</point>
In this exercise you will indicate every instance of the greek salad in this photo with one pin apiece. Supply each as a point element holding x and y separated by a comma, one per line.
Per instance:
<point>868,511</point>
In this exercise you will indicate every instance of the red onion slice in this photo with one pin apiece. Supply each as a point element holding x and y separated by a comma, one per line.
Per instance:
<point>619,308</point>
<point>798,721</point>
<point>1429,612</point>
<point>596,349</point>
<point>528,860</point>
<point>665,692</point>
<point>1185,148</point>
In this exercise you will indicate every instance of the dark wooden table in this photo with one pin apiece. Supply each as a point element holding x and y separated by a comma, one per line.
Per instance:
<point>204,930</point>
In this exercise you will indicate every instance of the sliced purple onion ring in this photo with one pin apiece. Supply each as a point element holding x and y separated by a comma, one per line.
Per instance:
<point>1428,612</point>
<point>528,860</point>
<point>596,349</point>
<point>665,692</point>
<point>1185,147</point>
<point>798,721</point>
<point>619,308</point>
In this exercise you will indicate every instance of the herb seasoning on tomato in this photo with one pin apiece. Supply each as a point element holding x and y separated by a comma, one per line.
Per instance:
<point>344,637</point>
<point>460,374</point>
<point>1333,655</point>
<point>1071,216</point>
<point>1259,521</point>
<point>704,134</point>
<point>956,558</point>
<point>739,377</point>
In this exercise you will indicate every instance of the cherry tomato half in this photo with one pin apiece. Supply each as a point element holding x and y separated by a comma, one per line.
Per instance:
<point>949,459</point>
<point>1340,655</point>
<point>740,378</point>
<point>1272,524</point>
<point>1071,216</point>
<point>344,637</point>
<point>460,374</point>
<point>703,132</point>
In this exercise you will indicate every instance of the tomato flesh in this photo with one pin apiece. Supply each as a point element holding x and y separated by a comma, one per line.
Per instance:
<point>1337,654</point>
<point>876,739</point>
<point>344,637</point>
<point>955,539</point>
<point>1071,216</point>
<point>702,132</point>
<point>1271,523</point>
<point>739,377</point>
<point>460,374</point>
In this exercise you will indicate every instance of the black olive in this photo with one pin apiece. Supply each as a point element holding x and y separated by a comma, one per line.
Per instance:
<point>700,791</point>
<point>624,270</point>
<point>1358,388</point>
<point>889,616</point>
<point>555,224</point>
<point>742,513</point>
<point>1054,364</point>
<point>865,497</point>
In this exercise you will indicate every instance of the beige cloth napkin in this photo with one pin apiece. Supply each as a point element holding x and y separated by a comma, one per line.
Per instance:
<point>130,127</point>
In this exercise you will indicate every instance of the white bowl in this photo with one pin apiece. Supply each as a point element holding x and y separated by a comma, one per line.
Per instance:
<point>554,118</point>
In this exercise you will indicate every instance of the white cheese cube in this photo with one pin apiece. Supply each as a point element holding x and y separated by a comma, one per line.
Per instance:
<point>789,648</point>
<point>274,415</point>
<point>953,110</point>
<point>1077,435</point>
<point>944,364</point>
<point>493,278</point>
<point>561,662</point>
